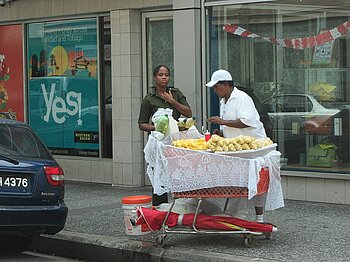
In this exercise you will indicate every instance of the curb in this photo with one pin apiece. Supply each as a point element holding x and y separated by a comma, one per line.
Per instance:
<point>103,248</point>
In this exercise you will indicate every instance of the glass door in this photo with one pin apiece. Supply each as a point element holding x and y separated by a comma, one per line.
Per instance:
<point>158,45</point>
<point>157,49</point>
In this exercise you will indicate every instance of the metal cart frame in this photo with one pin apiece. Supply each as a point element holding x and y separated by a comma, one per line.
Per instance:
<point>216,192</point>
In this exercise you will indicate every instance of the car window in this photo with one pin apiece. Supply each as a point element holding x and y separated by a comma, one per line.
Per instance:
<point>269,105</point>
<point>20,142</point>
<point>297,104</point>
<point>289,104</point>
<point>5,115</point>
<point>274,104</point>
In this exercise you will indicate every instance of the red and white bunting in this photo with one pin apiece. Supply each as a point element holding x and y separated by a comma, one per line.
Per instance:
<point>295,43</point>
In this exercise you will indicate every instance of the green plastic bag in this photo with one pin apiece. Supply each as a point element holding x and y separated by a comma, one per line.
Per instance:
<point>162,124</point>
<point>322,155</point>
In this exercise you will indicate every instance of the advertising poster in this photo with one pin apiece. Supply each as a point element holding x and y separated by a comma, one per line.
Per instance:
<point>63,86</point>
<point>11,72</point>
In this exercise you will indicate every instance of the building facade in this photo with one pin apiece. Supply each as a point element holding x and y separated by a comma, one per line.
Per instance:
<point>77,70</point>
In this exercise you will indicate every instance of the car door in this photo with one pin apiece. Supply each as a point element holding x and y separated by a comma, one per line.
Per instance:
<point>294,112</point>
<point>288,112</point>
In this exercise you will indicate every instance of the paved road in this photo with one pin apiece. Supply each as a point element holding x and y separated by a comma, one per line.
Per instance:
<point>307,231</point>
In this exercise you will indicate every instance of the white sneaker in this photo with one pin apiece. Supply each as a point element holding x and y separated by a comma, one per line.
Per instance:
<point>259,218</point>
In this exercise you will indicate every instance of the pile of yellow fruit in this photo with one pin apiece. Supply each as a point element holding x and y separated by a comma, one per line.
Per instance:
<point>194,144</point>
<point>218,143</point>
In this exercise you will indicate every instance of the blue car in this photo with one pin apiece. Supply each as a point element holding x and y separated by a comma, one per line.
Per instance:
<point>31,187</point>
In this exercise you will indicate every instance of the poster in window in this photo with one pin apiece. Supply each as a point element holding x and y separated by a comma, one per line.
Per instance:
<point>63,85</point>
<point>11,72</point>
<point>323,53</point>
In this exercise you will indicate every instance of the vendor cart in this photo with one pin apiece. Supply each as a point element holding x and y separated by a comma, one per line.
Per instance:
<point>200,174</point>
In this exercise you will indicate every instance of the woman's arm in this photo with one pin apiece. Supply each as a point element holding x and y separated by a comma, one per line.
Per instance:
<point>146,127</point>
<point>231,123</point>
<point>184,110</point>
<point>144,116</point>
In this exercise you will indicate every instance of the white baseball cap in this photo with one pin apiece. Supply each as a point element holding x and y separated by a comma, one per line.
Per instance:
<point>219,75</point>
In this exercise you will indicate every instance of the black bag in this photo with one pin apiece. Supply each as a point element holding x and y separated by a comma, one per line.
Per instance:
<point>260,107</point>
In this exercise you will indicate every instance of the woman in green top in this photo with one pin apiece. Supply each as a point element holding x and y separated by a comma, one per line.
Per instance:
<point>162,97</point>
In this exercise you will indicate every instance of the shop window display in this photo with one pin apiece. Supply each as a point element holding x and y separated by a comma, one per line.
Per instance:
<point>63,85</point>
<point>296,60</point>
<point>11,72</point>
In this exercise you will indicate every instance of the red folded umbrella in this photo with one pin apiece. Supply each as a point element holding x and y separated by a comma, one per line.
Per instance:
<point>154,219</point>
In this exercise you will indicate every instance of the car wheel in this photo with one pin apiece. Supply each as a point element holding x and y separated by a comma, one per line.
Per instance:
<point>15,243</point>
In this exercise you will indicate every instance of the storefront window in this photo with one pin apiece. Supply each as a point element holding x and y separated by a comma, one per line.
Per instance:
<point>106,86</point>
<point>63,85</point>
<point>296,60</point>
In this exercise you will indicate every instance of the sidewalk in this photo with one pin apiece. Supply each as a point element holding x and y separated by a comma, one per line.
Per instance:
<point>95,231</point>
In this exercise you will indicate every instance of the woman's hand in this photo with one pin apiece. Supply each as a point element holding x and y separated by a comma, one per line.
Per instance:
<point>217,132</point>
<point>167,96</point>
<point>230,123</point>
<point>184,110</point>
<point>215,120</point>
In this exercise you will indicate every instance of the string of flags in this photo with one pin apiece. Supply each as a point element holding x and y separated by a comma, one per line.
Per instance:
<point>295,43</point>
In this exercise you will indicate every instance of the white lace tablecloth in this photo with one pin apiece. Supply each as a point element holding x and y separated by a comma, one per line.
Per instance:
<point>173,169</point>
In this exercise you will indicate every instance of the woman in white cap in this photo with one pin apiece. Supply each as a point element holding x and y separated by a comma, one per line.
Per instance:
<point>238,116</point>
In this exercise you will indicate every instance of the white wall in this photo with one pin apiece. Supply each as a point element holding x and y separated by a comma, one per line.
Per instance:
<point>187,53</point>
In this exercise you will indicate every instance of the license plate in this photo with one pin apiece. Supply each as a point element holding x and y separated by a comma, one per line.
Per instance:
<point>17,184</point>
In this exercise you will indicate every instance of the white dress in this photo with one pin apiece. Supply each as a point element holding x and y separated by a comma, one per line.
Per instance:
<point>238,106</point>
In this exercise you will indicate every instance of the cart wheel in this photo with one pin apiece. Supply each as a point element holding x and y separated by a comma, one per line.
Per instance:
<point>249,240</point>
<point>268,235</point>
<point>160,240</point>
